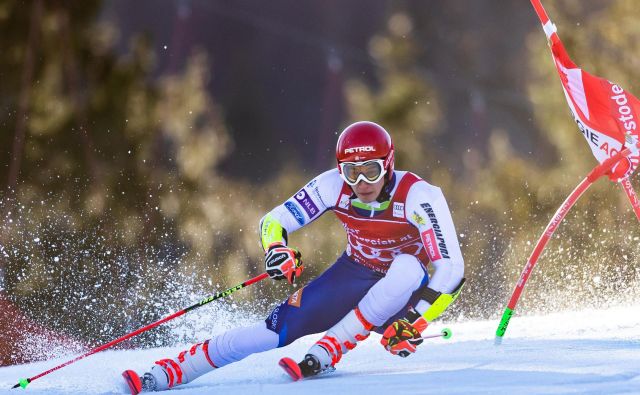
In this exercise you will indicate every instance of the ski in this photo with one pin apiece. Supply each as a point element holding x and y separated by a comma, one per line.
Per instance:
<point>299,371</point>
<point>133,381</point>
<point>291,368</point>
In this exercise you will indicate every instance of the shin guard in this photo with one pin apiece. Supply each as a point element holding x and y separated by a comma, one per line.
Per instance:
<point>189,365</point>
<point>341,338</point>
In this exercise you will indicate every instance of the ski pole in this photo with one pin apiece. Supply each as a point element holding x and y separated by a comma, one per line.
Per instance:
<point>445,334</point>
<point>24,382</point>
<point>596,173</point>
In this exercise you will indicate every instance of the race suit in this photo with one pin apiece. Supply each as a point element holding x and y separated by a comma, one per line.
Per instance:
<point>381,274</point>
<point>414,221</point>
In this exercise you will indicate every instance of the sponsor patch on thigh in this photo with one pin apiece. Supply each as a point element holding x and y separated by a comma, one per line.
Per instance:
<point>296,298</point>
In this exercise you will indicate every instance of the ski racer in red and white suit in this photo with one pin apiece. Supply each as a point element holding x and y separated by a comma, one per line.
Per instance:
<point>396,225</point>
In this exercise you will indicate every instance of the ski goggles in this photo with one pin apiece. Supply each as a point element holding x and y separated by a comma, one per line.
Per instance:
<point>370,171</point>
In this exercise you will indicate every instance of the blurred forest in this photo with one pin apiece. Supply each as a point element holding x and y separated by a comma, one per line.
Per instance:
<point>140,144</point>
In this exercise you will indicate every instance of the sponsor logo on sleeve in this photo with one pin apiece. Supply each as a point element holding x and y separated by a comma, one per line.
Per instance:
<point>296,298</point>
<point>398,210</point>
<point>418,218</point>
<point>316,193</point>
<point>306,202</point>
<point>429,241</point>
<point>344,201</point>
<point>293,209</point>
<point>436,231</point>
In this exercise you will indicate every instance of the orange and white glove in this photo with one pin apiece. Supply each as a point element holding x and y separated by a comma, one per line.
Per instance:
<point>403,336</point>
<point>283,262</point>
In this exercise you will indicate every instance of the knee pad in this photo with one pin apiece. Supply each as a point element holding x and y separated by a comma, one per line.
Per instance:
<point>406,273</point>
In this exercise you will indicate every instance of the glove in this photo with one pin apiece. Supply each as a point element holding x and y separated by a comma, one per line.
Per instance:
<point>402,336</point>
<point>283,262</point>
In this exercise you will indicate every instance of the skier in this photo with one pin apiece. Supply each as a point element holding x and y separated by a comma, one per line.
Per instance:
<point>396,224</point>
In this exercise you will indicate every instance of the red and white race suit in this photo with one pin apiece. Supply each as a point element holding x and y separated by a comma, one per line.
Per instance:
<point>397,238</point>
<point>416,221</point>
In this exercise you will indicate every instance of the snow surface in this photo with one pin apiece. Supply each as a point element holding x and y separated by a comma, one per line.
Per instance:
<point>585,352</point>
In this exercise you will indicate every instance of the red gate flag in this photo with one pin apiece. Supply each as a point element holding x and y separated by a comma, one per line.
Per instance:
<point>606,114</point>
<point>607,118</point>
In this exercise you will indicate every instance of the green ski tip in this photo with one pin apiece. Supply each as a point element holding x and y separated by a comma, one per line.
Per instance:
<point>446,333</point>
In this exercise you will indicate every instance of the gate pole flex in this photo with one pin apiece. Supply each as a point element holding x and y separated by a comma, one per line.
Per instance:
<point>596,173</point>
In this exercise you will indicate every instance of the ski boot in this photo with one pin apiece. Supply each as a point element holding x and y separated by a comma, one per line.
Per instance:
<point>327,352</point>
<point>168,373</point>
<point>310,366</point>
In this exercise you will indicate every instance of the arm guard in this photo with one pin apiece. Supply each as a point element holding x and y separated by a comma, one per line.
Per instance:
<point>439,301</point>
<point>271,231</point>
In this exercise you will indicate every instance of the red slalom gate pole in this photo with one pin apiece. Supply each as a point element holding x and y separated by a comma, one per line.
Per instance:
<point>542,14</point>
<point>596,173</point>
<point>631,194</point>
<point>24,382</point>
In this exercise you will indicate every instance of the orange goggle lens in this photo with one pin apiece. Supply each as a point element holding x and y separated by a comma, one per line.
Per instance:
<point>370,171</point>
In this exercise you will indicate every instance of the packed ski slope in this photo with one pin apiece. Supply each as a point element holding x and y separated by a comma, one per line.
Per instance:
<point>586,352</point>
